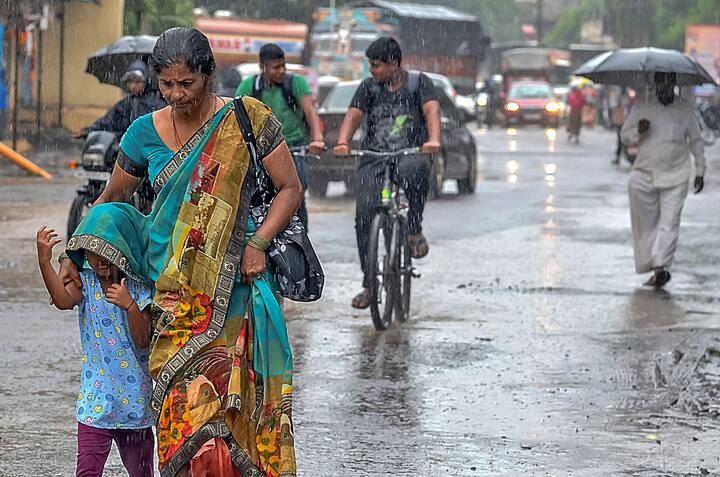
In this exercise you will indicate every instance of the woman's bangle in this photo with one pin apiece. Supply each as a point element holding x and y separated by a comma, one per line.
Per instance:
<point>259,242</point>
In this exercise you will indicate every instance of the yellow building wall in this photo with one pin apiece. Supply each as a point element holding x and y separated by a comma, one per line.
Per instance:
<point>88,27</point>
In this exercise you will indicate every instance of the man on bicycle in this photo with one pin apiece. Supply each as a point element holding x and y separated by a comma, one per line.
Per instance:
<point>402,112</point>
<point>291,101</point>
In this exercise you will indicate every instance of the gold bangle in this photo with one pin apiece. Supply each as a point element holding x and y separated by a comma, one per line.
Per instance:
<point>259,242</point>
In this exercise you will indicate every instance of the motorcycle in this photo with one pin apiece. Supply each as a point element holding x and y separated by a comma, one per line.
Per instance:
<point>97,161</point>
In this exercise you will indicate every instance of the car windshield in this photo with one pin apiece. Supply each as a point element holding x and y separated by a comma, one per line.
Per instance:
<point>530,91</point>
<point>340,97</point>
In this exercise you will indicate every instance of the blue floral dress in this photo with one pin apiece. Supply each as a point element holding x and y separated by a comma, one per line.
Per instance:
<point>116,388</point>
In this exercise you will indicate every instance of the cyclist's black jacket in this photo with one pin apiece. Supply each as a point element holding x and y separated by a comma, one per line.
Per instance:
<point>394,120</point>
<point>127,110</point>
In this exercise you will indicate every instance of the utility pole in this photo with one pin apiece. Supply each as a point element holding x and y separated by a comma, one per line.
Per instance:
<point>539,20</point>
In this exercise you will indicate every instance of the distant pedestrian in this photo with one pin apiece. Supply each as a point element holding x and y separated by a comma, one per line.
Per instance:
<point>667,133</point>
<point>576,102</point>
<point>113,315</point>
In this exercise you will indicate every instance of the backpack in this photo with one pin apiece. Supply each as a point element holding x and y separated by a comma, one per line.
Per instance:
<point>290,100</point>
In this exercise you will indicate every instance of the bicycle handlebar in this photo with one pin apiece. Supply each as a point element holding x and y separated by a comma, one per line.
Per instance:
<point>401,152</point>
<point>303,151</point>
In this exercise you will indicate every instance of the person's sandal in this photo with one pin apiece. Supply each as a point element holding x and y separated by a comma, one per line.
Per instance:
<point>361,301</point>
<point>418,246</point>
<point>662,278</point>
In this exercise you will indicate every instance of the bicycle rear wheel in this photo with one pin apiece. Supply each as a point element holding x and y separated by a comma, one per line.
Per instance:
<point>405,275</point>
<point>383,269</point>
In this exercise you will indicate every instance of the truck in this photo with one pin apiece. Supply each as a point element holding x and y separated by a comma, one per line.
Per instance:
<point>546,64</point>
<point>236,41</point>
<point>702,42</point>
<point>433,38</point>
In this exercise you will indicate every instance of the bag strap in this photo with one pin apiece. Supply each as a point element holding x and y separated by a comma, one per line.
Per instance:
<point>245,124</point>
<point>243,121</point>
<point>413,81</point>
<point>290,99</point>
<point>257,87</point>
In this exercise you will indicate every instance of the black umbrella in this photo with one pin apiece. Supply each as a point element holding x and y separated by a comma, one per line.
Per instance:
<point>110,63</point>
<point>636,66</point>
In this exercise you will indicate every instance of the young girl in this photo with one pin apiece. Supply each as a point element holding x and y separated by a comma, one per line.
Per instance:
<point>115,386</point>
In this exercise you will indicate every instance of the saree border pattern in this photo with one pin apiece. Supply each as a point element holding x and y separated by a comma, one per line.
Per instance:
<point>104,249</point>
<point>223,291</point>
<point>172,166</point>
<point>209,431</point>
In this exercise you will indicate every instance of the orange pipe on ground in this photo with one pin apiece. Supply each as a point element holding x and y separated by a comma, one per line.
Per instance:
<point>23,162</point>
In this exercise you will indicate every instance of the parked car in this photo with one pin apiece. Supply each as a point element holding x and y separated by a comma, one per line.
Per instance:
<point>457,159</point>
<point>466,103</point>
<point>531,102</point>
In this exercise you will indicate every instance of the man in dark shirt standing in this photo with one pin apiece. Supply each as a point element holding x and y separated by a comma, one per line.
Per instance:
<point>402,112</point>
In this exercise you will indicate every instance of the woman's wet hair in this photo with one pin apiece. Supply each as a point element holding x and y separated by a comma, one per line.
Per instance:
<point>385,49</point>
<point>270,52</point>
<point>184,46</point>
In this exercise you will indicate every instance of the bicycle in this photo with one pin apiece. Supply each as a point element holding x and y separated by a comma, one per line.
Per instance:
<point>389,257</point>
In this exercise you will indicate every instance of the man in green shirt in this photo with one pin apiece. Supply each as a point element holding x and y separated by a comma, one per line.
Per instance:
<point>290,100</point>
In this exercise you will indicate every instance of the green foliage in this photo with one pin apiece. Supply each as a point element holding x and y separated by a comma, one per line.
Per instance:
<point>661,22</point>
<point>155,16</point>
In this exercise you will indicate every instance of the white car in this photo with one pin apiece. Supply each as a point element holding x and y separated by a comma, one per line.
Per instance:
<point>466,103</point>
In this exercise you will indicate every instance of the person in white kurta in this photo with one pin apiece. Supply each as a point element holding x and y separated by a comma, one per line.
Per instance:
<point>668,137</point>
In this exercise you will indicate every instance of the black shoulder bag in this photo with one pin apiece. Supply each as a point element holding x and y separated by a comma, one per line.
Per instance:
<point>294,263</point>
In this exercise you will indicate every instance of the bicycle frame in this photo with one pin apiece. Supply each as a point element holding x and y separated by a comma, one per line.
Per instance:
<point>390,193</point>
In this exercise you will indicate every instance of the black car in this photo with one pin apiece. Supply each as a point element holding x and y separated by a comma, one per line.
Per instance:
<point>457,159</point>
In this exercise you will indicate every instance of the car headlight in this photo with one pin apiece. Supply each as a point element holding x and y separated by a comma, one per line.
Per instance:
<point>512,106</point>
<point>482,101</point>
<point>92,159</point>
<point>552,107</point>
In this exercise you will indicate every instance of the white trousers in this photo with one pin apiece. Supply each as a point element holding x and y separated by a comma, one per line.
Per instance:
<point>655,218</point>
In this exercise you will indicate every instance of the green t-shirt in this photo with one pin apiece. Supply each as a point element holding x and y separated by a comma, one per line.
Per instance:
<point>293,127</point>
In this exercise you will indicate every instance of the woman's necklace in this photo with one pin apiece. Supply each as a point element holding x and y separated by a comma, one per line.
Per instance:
<point>172,120</point>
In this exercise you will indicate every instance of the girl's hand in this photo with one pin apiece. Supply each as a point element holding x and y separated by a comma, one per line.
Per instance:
<point>119,295</point>
<point>253,264</point>
<point>46,240</point>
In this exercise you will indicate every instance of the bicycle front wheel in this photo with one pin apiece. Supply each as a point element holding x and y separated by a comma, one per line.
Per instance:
<point>405,275</point>
<point>383,269</point>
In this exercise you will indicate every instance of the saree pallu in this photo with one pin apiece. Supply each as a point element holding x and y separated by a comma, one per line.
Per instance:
<point>220,355</point>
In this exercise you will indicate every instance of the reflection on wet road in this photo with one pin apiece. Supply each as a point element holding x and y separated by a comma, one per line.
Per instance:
<point>531,350</point>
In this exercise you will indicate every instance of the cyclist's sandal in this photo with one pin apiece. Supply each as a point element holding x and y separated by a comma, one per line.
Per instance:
<point>418,245</point>
<point>361,301</point>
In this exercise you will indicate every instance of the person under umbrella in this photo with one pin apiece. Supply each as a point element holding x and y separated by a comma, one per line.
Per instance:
<point>140,100</point>
<point>666,132</point>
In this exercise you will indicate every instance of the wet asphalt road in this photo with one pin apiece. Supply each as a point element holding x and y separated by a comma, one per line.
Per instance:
<point>532,348</point>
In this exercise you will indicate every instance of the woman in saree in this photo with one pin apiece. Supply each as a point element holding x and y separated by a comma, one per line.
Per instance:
<point>220,356</point>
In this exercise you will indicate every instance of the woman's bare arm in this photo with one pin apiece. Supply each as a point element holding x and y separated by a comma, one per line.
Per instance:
<point>281,169</point>
<point>120,188</point>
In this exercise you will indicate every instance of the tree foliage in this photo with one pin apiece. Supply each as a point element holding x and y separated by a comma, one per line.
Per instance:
<point>155,16</point>
<point>636,22</point>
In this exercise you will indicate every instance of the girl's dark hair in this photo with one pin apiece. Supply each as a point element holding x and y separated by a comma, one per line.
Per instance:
<point>182,45</point>
<point>385,49</point>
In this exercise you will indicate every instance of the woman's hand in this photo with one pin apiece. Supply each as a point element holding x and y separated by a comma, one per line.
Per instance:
<point>253,264</point>
<point>119,295</point>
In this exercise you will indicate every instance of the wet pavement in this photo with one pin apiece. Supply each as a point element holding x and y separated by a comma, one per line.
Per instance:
<point>532,348</point>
